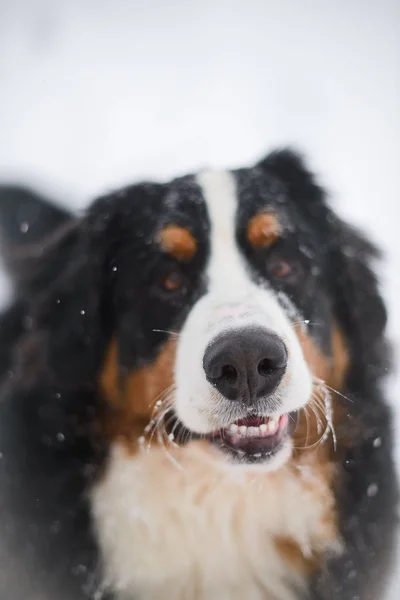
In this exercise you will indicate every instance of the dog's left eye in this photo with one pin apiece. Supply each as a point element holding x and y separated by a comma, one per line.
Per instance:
<point>280,268</point>
<point>173,281</point>
<point>289,271</point>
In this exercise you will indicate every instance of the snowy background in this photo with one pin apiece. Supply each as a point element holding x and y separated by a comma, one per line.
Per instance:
<point>96,93</point>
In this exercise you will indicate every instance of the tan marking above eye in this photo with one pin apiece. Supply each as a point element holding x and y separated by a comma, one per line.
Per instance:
<point>263,230</point>
<point>178,242</point>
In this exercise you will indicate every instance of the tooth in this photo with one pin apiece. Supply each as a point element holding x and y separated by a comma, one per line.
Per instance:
<point>233,429</point>
<point>272,426</point>
<point>258,455</point>
<point>243,430</point>
<point>252,432</point>
<point>263,429</point>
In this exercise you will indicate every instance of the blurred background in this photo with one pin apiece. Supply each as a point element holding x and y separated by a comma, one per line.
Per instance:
<point>97,93</point>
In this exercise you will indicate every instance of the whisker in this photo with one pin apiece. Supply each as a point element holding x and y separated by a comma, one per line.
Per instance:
<point>156,425</point>
<point>173,434</point>
<point>307,322</point>
<point>328,410</point>
<point>324,384</point>
<point>188,436</point>
<point>159,400</point>
<point>314,406</point>
<point>175,333</point>
<point>160,419</point>
<point>160,438</point>
<point>320,403</point>
<point>315,445</point>
<point>307,423</point>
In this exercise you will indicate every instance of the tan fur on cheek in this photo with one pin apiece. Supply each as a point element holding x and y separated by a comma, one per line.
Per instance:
<point>312,421</point>
<point>131,400</point>
<point>341,359</point>
<point>332,369</point>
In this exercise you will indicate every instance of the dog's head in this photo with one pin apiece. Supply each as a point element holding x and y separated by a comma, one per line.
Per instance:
<point>221,307</point>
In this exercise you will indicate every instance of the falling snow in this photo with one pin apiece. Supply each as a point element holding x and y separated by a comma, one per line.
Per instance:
<point>24,227</point>
<point>372,490</point>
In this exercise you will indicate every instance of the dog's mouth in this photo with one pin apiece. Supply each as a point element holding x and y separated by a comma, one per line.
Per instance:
<point>253,439</point>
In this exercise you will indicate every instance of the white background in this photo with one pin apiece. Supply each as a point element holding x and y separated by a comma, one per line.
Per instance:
<point>95,93</point>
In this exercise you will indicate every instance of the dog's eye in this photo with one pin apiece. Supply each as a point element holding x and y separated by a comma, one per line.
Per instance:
<point>280,269</point>
<point>173,281</point>
<point>287,271</point>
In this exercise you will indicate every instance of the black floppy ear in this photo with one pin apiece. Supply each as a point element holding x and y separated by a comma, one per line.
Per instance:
<point>26,216</point>
<point>71,313</point>
<point>359,304</point>
<point>29,223</point>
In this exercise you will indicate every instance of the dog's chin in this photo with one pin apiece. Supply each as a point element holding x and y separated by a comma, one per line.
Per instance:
<point>253,441</point>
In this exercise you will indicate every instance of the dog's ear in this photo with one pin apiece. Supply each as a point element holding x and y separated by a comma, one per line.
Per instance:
<point>70,314</point>
<point>359,305</point>
<point>29,223</point>
<point>26,216</point>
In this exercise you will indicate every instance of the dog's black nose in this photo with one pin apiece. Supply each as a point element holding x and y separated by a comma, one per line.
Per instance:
<point>246,364</point>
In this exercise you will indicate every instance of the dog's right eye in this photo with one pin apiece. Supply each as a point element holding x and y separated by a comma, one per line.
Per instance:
<point>173,281</point>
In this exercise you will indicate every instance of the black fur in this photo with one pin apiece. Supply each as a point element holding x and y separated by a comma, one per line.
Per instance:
<point>81,281</point>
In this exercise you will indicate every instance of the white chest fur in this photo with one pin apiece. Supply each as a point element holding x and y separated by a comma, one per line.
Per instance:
<point>207,532</point>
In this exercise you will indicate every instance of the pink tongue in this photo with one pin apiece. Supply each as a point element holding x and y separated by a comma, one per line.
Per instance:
<point>252,421</point>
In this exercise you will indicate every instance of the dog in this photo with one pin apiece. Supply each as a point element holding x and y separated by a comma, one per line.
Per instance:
<point>192,404</point>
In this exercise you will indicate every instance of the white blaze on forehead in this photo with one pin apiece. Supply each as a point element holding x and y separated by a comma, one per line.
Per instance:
<point>233,299</point>
<point>220,194</point>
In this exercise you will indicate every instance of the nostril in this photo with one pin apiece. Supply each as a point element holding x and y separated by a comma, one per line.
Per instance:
<point>265,367</point>
<point>229,373</point>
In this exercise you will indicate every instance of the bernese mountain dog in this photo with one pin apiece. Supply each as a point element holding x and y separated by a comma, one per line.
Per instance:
<point>192,401</point>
